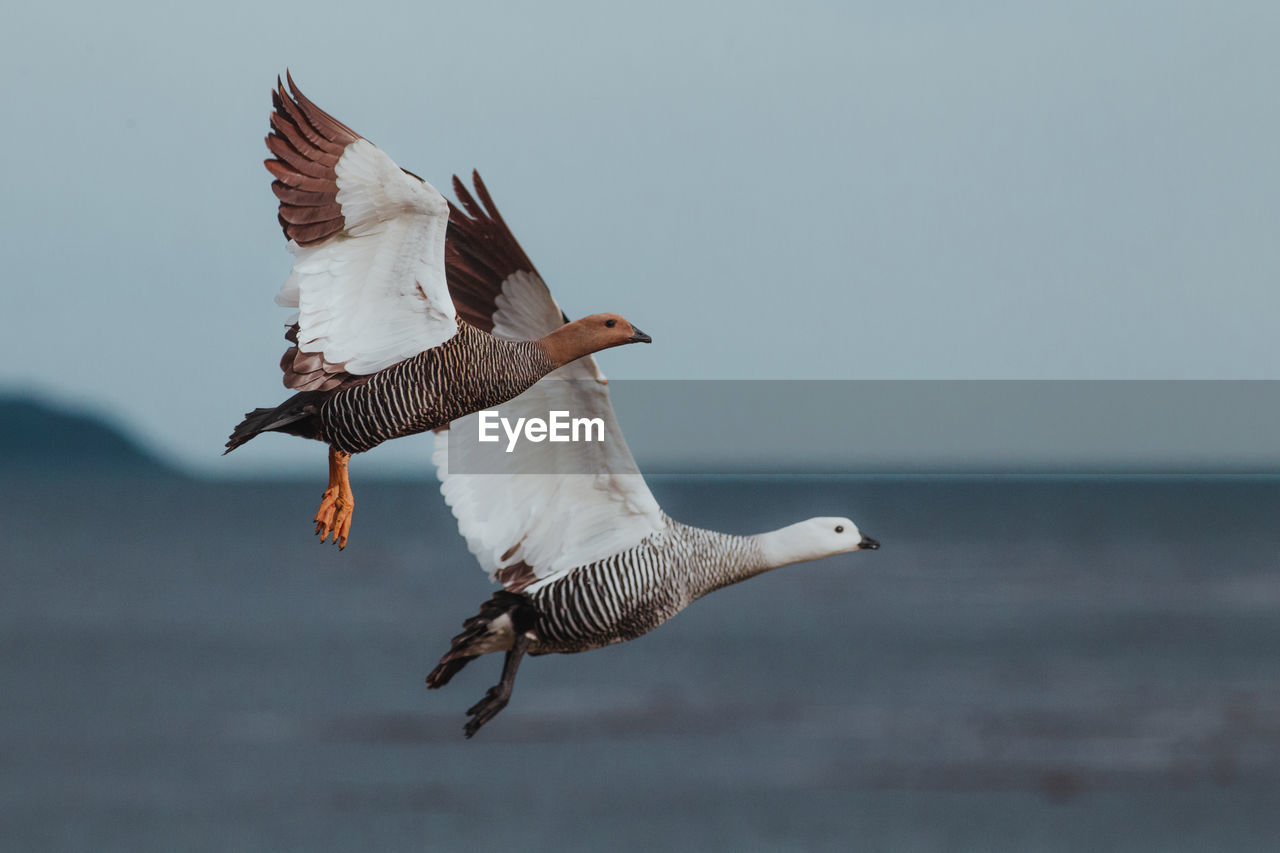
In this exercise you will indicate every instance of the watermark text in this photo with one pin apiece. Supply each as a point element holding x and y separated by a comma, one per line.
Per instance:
<point>558,426</point>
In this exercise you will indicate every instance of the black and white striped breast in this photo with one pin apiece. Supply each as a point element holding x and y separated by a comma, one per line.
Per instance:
<point>469,372</point>
<point>635,591</point>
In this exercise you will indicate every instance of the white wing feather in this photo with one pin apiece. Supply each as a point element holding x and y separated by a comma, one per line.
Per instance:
<point>556,505</point>
<point>375,293</point>
<point>527,310</point>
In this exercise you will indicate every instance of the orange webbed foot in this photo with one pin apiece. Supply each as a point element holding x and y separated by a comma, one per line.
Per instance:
<point>337,504</point>
<point>334,517</point>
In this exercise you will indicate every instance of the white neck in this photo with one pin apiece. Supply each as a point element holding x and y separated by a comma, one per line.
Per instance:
<point>791,544</point>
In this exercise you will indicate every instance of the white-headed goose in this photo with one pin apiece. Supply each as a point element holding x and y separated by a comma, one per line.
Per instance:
<point>586,558</point>
<point>378,349</point>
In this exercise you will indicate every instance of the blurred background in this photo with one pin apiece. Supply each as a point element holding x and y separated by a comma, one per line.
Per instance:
<point>1023,254</point>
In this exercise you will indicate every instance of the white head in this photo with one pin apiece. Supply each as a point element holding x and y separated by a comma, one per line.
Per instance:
<point>812,540</point>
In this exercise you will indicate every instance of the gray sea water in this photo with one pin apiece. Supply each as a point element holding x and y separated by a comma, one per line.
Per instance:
<point>1025,665</point>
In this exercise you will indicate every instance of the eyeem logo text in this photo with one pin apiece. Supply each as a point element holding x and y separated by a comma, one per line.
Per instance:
<point>558,427</point>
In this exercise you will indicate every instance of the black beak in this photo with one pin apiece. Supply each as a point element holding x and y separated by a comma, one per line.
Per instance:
<point>868,544</point>
<point>639,337</point>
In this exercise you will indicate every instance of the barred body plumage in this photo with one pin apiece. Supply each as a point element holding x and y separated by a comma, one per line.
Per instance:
<point>635,591</point>
<point>471,371</point>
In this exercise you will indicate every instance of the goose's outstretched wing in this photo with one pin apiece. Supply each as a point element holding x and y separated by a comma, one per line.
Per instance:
<point>368,243</point>
<point>552,506</point>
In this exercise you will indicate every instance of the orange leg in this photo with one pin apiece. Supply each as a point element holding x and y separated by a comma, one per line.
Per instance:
<point>337,504</point>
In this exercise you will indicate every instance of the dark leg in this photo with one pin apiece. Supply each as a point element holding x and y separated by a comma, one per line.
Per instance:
<point>499,694</point>
<point>508,617</point>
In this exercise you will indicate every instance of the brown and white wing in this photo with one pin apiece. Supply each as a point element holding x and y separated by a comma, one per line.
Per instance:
<point>494,285</point>
<point>552,506</point>
<point>367,238</point>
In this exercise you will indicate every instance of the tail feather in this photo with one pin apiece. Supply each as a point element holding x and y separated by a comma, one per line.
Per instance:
<point>448,667</point>
<point>298,408</point>
<point>485,632</point>
<point>465,647</point>
<point>252,424</point>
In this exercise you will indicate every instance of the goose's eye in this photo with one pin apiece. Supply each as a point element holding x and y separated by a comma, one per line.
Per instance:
<point>611,323</point>
<point>839,528</point>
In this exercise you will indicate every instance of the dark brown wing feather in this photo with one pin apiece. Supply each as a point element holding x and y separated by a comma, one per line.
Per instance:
<point>480,253</point>
<point>308,371</point>
<point>307,143</point>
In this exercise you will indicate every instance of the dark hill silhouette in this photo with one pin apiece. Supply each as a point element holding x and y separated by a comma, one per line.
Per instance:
<point>43,439</point>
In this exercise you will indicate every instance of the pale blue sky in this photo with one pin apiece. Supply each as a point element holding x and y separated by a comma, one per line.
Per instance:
<point>859,190</point>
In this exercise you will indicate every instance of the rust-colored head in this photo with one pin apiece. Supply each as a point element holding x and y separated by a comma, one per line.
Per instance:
<point>591,334</point>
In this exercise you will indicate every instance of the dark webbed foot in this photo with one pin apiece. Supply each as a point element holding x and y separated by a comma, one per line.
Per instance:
<point>507,617</point>
<point>487,708</point>
<point>499,694</point>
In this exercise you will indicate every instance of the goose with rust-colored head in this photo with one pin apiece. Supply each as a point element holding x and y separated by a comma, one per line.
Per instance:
<point>378,348</point>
